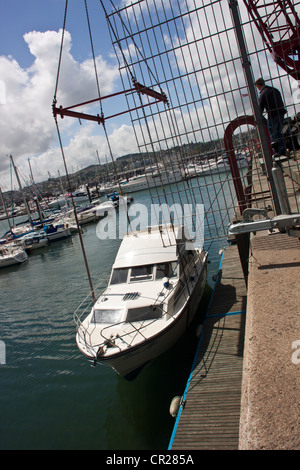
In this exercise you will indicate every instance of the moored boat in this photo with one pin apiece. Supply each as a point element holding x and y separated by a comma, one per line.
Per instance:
<point>57,232</point>
<point>155,286</point>
<point>80,195</point>
<point>159,177</point>
<point>33,240</point>
<point>113,202</point>
<point>10,255</point>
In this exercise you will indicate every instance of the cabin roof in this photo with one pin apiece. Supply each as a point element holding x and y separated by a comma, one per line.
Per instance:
<point>150,246</point>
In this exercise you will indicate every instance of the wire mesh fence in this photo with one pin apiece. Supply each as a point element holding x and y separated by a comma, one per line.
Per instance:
<point>187,53</point>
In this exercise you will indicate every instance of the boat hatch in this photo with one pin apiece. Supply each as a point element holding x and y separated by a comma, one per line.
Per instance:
<point>152,312</point>
<point>107,315</point>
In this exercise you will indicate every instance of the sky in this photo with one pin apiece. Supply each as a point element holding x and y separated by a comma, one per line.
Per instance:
<point>30,38</point>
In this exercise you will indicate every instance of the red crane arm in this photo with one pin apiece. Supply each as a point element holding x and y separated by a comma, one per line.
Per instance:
<point>279,26</point>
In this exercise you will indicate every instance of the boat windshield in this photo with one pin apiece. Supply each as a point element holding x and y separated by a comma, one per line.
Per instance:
<point>141,273</point>
<point>144,273</point>
<point>166,270</point>
<point>107,316</point>
<point>119,276</point>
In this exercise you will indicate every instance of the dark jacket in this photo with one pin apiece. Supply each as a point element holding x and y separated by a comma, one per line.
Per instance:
<point>270,100</point>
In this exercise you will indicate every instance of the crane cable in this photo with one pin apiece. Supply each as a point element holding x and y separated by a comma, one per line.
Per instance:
<point>64,159</point>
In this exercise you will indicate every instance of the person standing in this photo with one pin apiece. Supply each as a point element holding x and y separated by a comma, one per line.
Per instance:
<point>270,100</point>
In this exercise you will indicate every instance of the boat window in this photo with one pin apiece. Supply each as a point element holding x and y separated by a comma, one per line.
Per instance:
<point>166,270</point>
<point>107,316</point>
<point>141,273</point>
<point>119,276</point>
<point>144,313</point>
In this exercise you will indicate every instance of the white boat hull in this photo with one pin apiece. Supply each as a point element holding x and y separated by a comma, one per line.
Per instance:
<point>127,362</point>
<point>59,235</point>
<point>212,168</point>
<point>36,245</point>
<point>12,258</point>
<point>147,182</point>
<point>57,203</point>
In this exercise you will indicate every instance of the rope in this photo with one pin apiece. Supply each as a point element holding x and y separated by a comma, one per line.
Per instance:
<point>61,50</point>
<point>93,53</point>
<point>64,159</point>
<point>75,211</point>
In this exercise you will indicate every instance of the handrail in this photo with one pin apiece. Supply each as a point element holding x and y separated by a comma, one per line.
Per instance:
<point>235,172</point>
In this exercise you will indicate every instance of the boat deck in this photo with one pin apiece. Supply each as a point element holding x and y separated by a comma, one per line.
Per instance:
<point>210,414</point>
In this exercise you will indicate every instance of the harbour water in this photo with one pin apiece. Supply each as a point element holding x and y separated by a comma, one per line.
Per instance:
<point>51,397</point>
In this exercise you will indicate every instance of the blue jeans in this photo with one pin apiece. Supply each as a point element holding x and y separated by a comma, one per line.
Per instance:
<point>275,125</point>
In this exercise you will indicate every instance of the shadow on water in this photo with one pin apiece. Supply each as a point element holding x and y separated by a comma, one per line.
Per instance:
<point>140,418</point>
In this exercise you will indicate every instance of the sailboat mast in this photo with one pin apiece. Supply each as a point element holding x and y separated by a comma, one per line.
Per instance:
<point>5,209</point>
<point>41,215</point>
<point>20,187</point>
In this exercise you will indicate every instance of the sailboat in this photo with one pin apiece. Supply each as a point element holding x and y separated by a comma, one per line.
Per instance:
<point>10,255</point>
<point>148,180</point>
<point>57,232</point>
<point>32,241</point>
<point>154,289</point>
<point>80,195</point>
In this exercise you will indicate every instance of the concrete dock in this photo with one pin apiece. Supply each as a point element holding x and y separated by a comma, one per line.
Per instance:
<point>270,399</point>
<point>244,388</point>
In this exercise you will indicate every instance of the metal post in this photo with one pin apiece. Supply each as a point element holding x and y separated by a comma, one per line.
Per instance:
<point>281,189</point>
<point>266,149</point>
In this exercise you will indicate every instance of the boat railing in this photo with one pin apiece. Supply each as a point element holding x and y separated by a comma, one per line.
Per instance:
<point>88,302</point>
<point>138,327</point>
<point>132,328</point>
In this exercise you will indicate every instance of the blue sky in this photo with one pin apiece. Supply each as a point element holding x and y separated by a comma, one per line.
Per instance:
<point>29,51</point>
<point>19,17</point>
<point>22,16</point>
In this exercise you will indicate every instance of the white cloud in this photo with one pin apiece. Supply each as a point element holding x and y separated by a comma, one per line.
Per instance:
<point>27,125</point>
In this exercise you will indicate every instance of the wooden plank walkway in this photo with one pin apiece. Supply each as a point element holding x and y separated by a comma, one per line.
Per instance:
<point>209,417</point>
